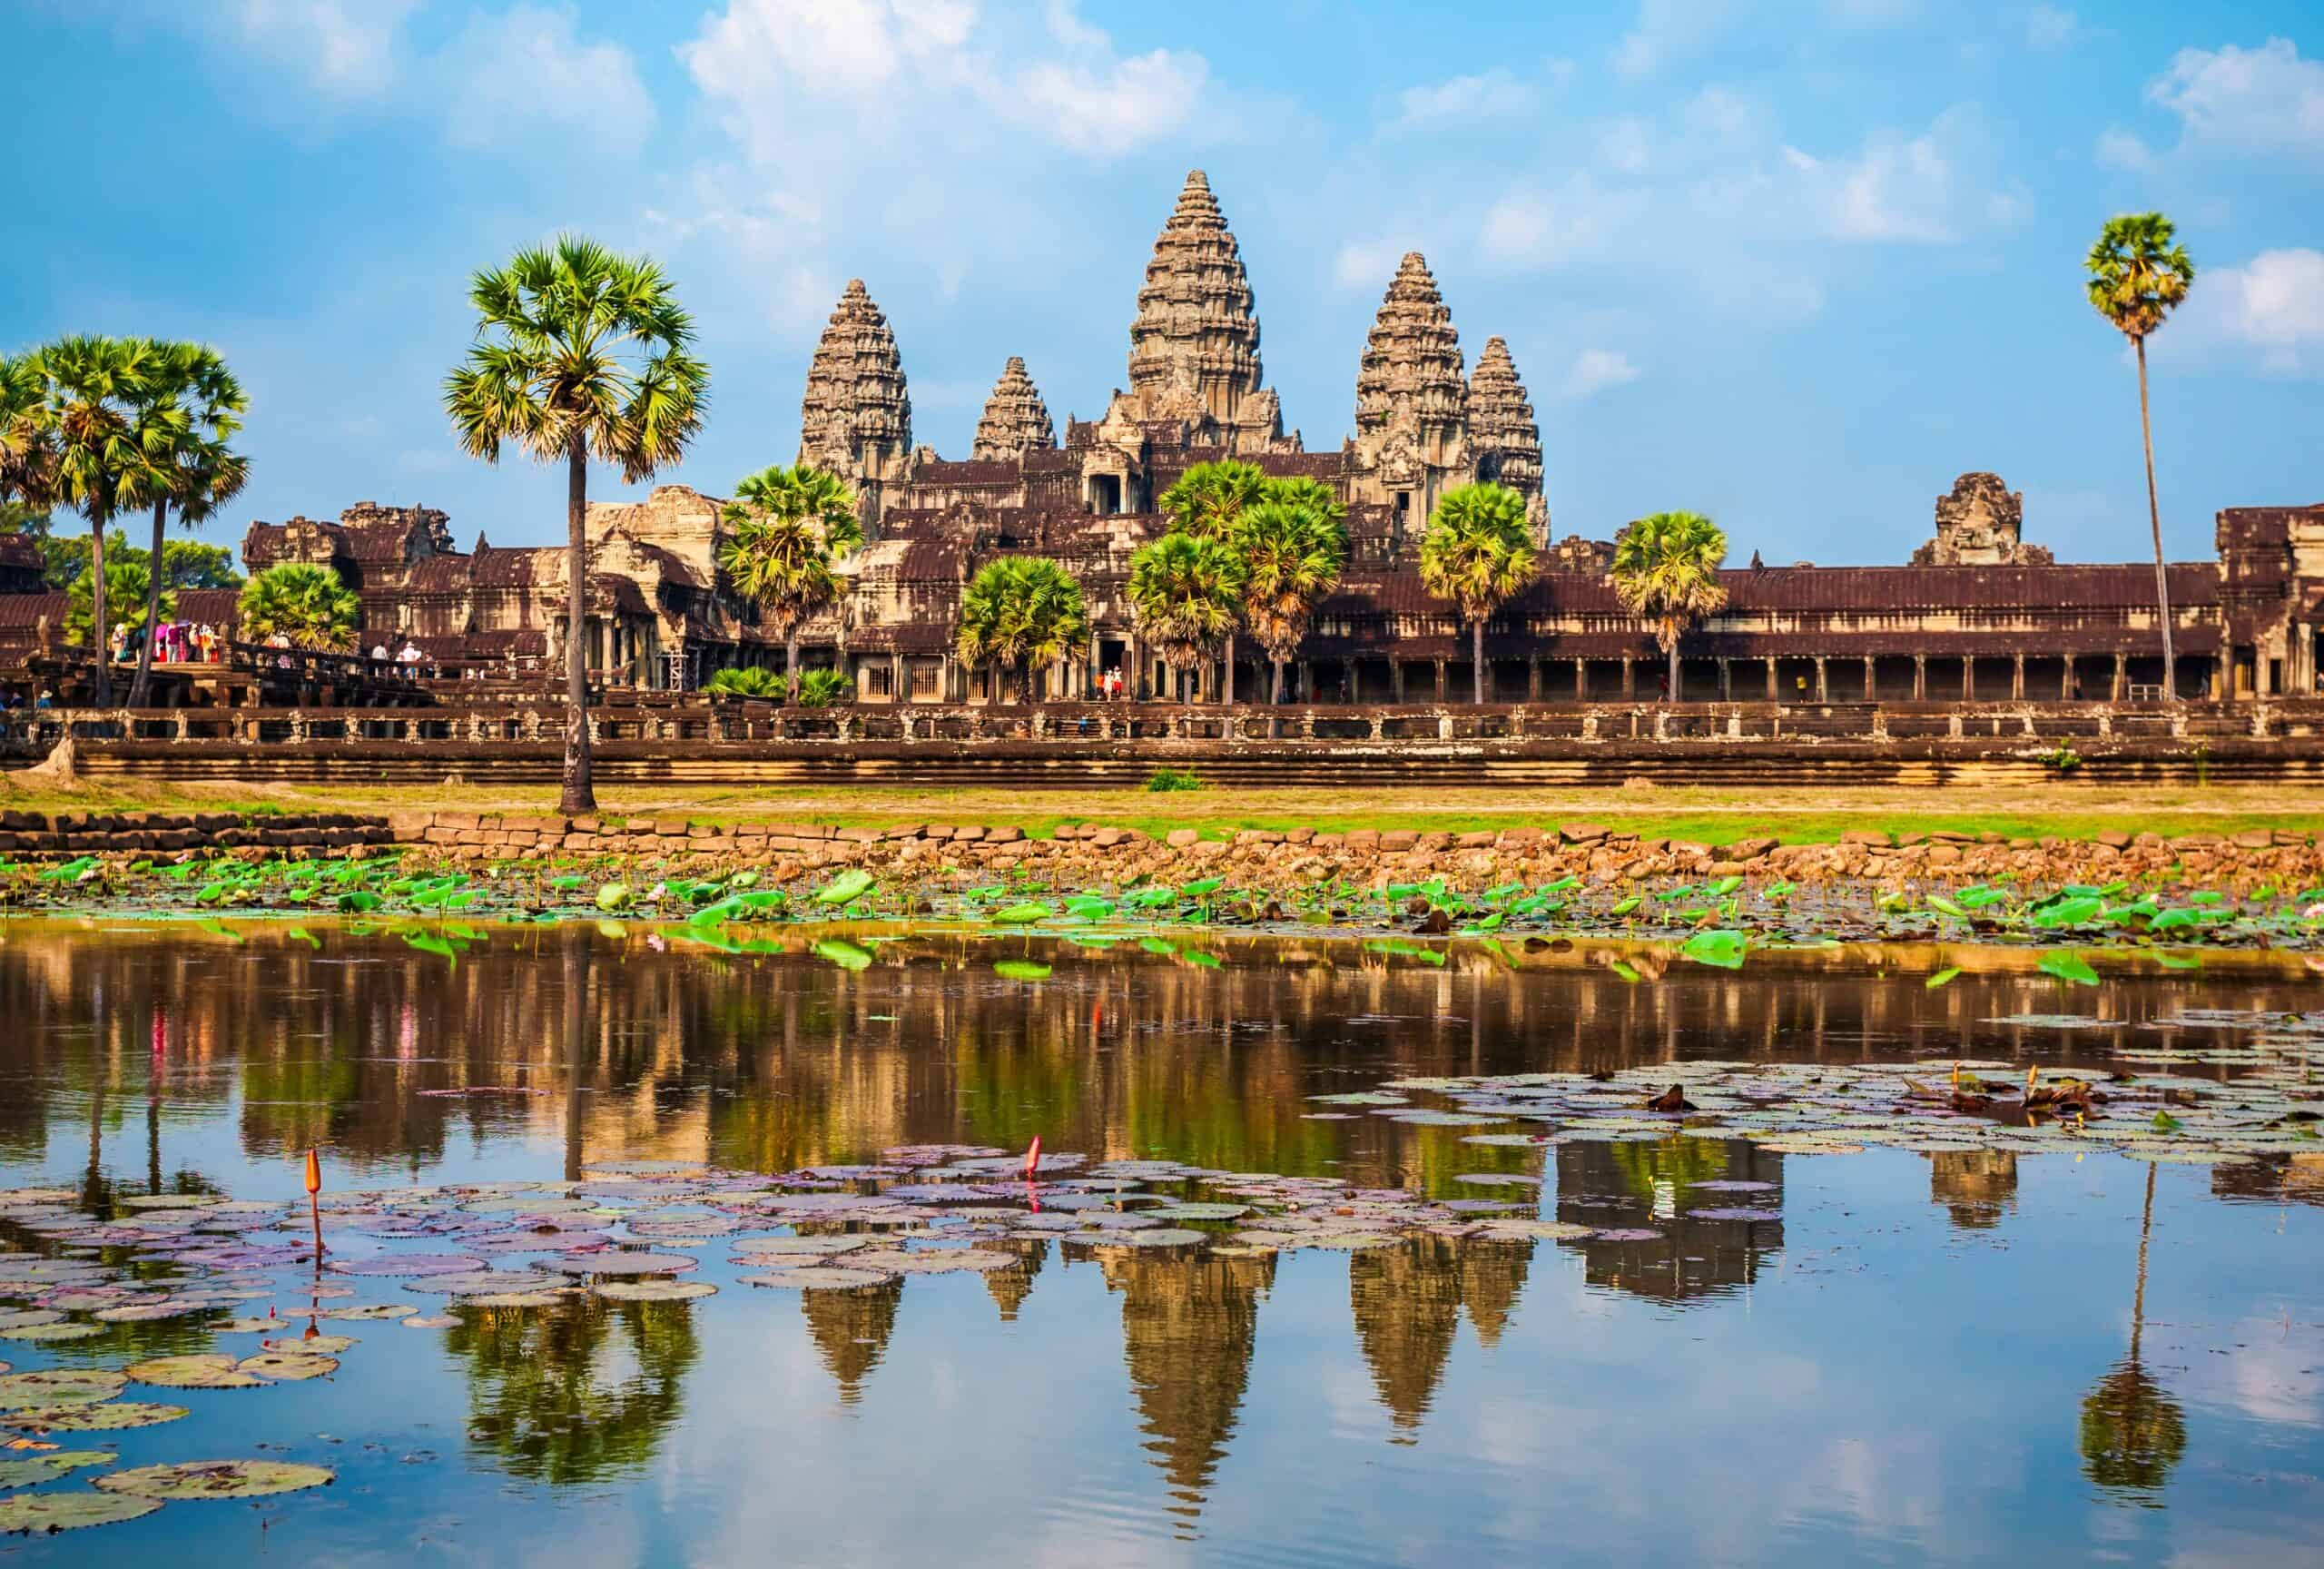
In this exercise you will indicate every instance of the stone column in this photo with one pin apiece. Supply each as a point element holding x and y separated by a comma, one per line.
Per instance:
<point>1441,694</point>
<point>1773,694</point>
<point>1395,678</point>
<point>1725,682</point>
<point>1968,677</point>
<point>1920,678</point>
<point>2017,678</point>
<point>1867,677</point>
<point>1348,692</point>
<point>1532,679</point>
<point>2121,676</point>
<point>1823,681</point>
<point>1629,678</point>
<point>1581,680</point>
<point>2065,681</point>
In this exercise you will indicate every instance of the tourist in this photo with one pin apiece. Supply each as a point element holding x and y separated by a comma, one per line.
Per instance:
<point>410,658</point>
<point>379,653</point>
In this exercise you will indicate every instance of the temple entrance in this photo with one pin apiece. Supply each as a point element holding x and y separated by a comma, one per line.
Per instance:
<point>1105,494</point>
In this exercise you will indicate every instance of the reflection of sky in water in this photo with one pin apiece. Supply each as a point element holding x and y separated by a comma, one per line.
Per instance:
<point>1898,1369</point>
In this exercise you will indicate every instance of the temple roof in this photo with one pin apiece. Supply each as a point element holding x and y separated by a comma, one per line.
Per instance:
<point>856,386</point>
<point>1501,430</point>
<point>1015,418</point>
<point>1411,377</point>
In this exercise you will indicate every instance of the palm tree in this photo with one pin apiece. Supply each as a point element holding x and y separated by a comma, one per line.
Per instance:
<point>1292,555</point>
<point>1666,571</point>
<point>790,525</point>
<point>130,596</point>
<point>744,681</point>
<point>1021,611</point>
<point>190,407</point>
<point>88,423</point>
<point>1478,552</point>
<point>307,605</point>
<point>2138,276</point>
<point>1206,502</point>
<point>27,451</point>
<point>578,351</point>
<point>1186,594</point>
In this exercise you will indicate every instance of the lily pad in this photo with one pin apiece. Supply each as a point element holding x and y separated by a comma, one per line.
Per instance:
<point>50,1466</point>
<point>44,1513</point>
<point>652,1291</point>
<point>55,1332</point>
<point>623,1263</point>
<point>60,1386</point>
<point>100,1417</point>
<point>821,1277</point>
<point>216,1479</point>
<point>288,1366</point>
<point>203,1370</point>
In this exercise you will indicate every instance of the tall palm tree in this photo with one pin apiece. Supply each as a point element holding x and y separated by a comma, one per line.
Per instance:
<point>307,604</point>
<point>27,447</point>
<point>2138,275</point>
<point>1206,502</point>
<point>790,525</point>
<point>1478,552</point>
<point>1185,594</point>
<point>92,388</point>
<point>1666,571</point>
<point>191,406</point>
<point>1021,611</point>
<point>579,351</point>
<point>1292,555</point>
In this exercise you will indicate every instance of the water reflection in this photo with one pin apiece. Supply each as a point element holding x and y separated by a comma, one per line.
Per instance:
<point>579,1392</point>
<point>147,1062</point>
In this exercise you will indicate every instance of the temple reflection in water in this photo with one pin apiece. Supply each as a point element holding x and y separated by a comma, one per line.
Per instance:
<point>147,1064</point>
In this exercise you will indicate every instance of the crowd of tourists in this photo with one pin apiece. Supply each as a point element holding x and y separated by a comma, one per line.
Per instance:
<point>174,643</point>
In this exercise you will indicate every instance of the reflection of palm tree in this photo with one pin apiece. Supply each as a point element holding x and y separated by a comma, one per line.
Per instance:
<point>2132,1431</point>
<point>577,971</point>
<point>558,1397</point>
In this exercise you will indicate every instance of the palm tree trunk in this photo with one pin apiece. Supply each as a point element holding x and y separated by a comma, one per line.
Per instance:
<point>137,688</point>
<point>100,644</point>
<point>2154,517</point>
<point>578,799</point>
<point>791,664</point>
<point>1674,669</point>
<point>1226,692</point>
<point>1274,695</point>
<point>576,961</point>
<point>1477,660</point>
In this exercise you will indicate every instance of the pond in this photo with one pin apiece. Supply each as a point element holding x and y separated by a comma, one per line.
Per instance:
<point>1334,1251</point>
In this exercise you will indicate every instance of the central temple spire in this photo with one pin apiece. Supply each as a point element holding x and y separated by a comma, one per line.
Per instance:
<point>1194,352</point>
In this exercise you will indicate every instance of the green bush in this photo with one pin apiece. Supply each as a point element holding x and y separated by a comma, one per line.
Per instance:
<point>749,682</point>
<point>1167,779</point>
<point>822,689</point>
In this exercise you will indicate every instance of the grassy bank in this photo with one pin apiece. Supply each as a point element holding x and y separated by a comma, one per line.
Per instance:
<point>1715,816</point>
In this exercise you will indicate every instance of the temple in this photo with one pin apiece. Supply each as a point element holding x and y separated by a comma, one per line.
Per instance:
<point>1980,614</point>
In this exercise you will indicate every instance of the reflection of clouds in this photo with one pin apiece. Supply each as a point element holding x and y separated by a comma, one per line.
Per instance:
<point>2270,1371</point>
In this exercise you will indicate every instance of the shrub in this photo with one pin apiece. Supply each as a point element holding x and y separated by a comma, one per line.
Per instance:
<point>1163,780</point>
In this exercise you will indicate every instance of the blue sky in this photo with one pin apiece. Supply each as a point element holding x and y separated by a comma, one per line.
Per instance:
<point>1794,264</point>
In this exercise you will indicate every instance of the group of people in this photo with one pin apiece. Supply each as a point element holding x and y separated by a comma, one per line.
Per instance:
<point>174,643</point>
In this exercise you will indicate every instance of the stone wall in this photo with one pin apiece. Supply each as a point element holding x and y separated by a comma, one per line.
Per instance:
<point>37,834</point>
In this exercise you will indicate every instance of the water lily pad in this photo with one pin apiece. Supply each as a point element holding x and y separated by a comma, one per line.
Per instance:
<point>288,1366</point>
<point>53,1332</point>
<point>650,1290</point>
<point>44,1513</point>
<point>60,1386</point>
<point>547,1296</point>
<point>622,1263</point>
<point>203,1370</point>
<point>50,1466</point>
<point>315,1344</point>
<point>429,1321</point>
<point>410,1265</point>
<point>374,1310</point>
<point>216,1479</point>
<point>100,1416</point>
<point>28,1318</point>
<point>821,1277</point>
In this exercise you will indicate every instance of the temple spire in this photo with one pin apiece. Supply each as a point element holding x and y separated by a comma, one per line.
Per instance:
<point>1195,344</point>
<point>1411,397</point>
<point>855,420</point>
<point>1503,434</point>
<point>1015,418</point>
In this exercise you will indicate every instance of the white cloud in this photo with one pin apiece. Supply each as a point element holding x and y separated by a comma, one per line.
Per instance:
<point>1625,146</point>
<point>1594,371</point>
<point>2272,306</point>
<point>526,65</point>
<point>1368,264</point>
<point>921,63</point>
<point>343,48</point>
<point>1665,30</point>
<point>2120,149</point>
<point>2260,100</point>
<point>1909,191</point>
<point>1492,95</point>
<point>2048,27</point>
<point>1536,229</point>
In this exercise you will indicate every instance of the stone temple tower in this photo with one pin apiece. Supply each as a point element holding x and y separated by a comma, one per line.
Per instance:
<point>1015,421</point>
<point>1504,439</point>
<point>856,417</point>
<point>1412,402</point>
<point>1194,349</point>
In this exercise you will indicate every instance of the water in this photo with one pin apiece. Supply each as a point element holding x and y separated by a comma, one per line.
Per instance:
<point>1964,1356</point>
